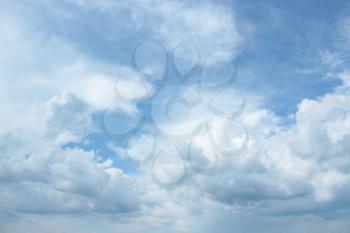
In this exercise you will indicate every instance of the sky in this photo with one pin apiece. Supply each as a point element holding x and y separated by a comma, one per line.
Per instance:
<point>174,116</point>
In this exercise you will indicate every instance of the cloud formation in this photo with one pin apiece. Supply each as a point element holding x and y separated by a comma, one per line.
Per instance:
<point>59,74</point>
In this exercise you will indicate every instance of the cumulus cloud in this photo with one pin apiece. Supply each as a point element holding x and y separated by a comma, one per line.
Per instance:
<point>67,119</point>
<point>307,158</point>
<point>251,161</point>
<point>42,175</point>
<point>46,177</point>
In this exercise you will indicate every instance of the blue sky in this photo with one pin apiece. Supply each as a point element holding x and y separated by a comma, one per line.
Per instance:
<point>174,116</point>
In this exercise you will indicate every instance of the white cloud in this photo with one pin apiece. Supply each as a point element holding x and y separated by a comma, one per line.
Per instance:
<point>67,119</point>
<point>326,185</point>
<point>306,159</point>
<point>281,162</point>
<point>210,27</point>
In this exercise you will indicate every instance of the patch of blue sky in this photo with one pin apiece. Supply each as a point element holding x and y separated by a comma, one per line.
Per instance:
<point>103,145</point>
<point>283,58</point>
<point>283,61</point>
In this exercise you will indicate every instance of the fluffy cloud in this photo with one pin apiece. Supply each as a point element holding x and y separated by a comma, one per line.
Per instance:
<point>277,169</point>
<point>308,158</point>
<point>67,119</point>
<point>46,177</point>
<point>304,161</point>
<point>41,175</point>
